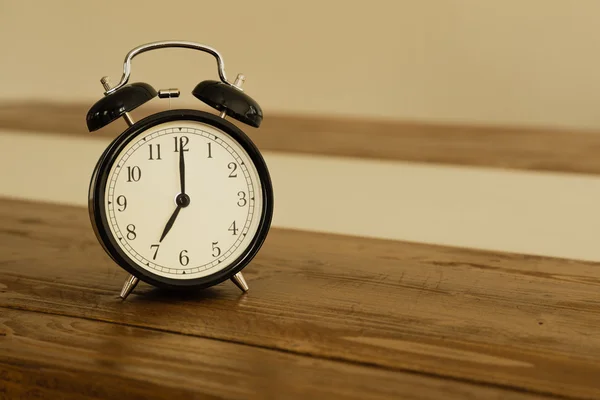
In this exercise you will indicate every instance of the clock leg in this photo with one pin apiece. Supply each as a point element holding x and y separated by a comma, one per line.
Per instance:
<point>240,282</point>
<point>129,285</point>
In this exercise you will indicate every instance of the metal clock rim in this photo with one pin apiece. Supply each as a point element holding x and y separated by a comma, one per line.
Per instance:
<point>97,211</point>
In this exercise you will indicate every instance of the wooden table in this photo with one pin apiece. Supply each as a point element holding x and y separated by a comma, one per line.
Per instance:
<point>326,317</point>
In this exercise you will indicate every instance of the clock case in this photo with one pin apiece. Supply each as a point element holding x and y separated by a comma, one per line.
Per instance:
<point>98,185</point>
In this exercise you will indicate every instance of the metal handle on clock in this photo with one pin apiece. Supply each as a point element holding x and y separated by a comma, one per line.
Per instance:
<point>165,44</point>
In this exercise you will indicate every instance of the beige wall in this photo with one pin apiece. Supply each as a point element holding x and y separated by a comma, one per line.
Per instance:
<point>507,62</point>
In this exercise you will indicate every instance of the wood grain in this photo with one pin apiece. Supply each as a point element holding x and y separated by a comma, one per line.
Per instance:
<point>61,356</point>
<point>535,149</point>
<point>512,321</point>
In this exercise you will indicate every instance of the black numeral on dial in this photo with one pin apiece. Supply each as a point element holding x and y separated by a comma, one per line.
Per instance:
<point>154,150</point>
<point>131,235</point>
<point>210,150</point>
<point>216,249</point>
<point>155,248</point>
<point>181,142</point>
<point>242,199</point>
<point>133,174</point>
<point>183,258</point>
<point>233,229</point>
<point>122,202</point>
<point>233,167</point>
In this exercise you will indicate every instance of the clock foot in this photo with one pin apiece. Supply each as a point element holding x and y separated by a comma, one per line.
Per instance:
<point>129,285</point>
<point>240,282</point>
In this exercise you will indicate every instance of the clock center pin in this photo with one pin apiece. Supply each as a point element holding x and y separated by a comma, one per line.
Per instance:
<point>182,200</point>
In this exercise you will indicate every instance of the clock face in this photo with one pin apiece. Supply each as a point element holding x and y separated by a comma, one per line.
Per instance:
<point>183,200</point>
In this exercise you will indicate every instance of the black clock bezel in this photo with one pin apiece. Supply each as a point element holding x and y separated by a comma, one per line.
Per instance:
<point>99,218</point>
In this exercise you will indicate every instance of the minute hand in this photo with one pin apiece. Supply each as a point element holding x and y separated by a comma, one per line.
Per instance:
<point>181,167</point>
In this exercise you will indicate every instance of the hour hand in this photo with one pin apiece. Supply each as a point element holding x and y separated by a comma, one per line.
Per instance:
<point>170,223</point>
<point>182,200</point>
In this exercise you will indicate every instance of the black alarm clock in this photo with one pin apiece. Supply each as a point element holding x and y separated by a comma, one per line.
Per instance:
<point>182,198</point>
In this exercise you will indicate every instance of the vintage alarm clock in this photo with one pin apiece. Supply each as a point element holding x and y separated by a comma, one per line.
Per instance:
<point>182,198</point>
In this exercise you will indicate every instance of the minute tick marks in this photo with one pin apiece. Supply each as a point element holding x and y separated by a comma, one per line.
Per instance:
<point>215,196</point>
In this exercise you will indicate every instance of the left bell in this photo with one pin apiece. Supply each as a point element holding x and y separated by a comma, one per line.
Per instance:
<point>113,106</point>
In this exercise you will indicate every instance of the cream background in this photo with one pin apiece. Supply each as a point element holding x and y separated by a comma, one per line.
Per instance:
<point>515,62</point>
<point>503,62</point>
<point>524,212</point>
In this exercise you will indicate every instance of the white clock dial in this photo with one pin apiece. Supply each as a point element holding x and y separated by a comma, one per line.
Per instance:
<point>225,200</point>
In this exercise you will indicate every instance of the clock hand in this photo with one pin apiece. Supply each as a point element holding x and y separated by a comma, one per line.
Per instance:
<point>182,199</point>
<point>170,223</point>
<point>181,167</point>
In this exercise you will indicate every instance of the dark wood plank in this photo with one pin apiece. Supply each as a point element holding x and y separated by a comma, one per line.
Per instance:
<point>536,149</point>
<point>510,320</point>
<point>64,357</point>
